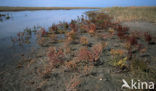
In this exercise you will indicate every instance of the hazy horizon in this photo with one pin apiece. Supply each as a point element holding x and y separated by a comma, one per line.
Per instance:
<point>76,3</point>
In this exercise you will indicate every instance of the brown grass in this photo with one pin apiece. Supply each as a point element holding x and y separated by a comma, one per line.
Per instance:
<point>132,13</point>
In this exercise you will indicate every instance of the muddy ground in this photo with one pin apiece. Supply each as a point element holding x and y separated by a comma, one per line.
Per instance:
<point>99,76</point>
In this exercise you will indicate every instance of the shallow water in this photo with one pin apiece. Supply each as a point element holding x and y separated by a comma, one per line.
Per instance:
<point>45,18</point>
<point>28,19</point>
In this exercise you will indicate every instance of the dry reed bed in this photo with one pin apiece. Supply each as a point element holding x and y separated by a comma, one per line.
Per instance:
<point>132,13</point>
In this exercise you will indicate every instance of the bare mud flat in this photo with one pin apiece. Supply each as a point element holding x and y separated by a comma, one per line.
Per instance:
<point>142,26</point>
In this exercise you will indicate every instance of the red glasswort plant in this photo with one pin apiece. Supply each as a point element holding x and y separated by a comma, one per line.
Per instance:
<point>55,55</point>
<point>147,37</point>
<point>84,54</point>
<point>132,40</point>
<point>73,26</point>
<point>120,34</point>
<point>20,36</point>
<point>84,40</point>
<point>92,28</point>
<point>121,28</point>
<point>85,28</point>
<point>121,31</point>
<point>96,51</point>
<point>54,28</point>
<point>42,32</point>
<point>90,55</point>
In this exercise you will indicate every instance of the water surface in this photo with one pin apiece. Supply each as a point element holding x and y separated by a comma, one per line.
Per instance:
<point>45,18</point>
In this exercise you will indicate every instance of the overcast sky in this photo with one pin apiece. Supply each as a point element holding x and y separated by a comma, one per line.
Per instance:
<point>77,3</point>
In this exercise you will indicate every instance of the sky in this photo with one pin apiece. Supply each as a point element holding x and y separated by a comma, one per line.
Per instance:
<point>77,3</point>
